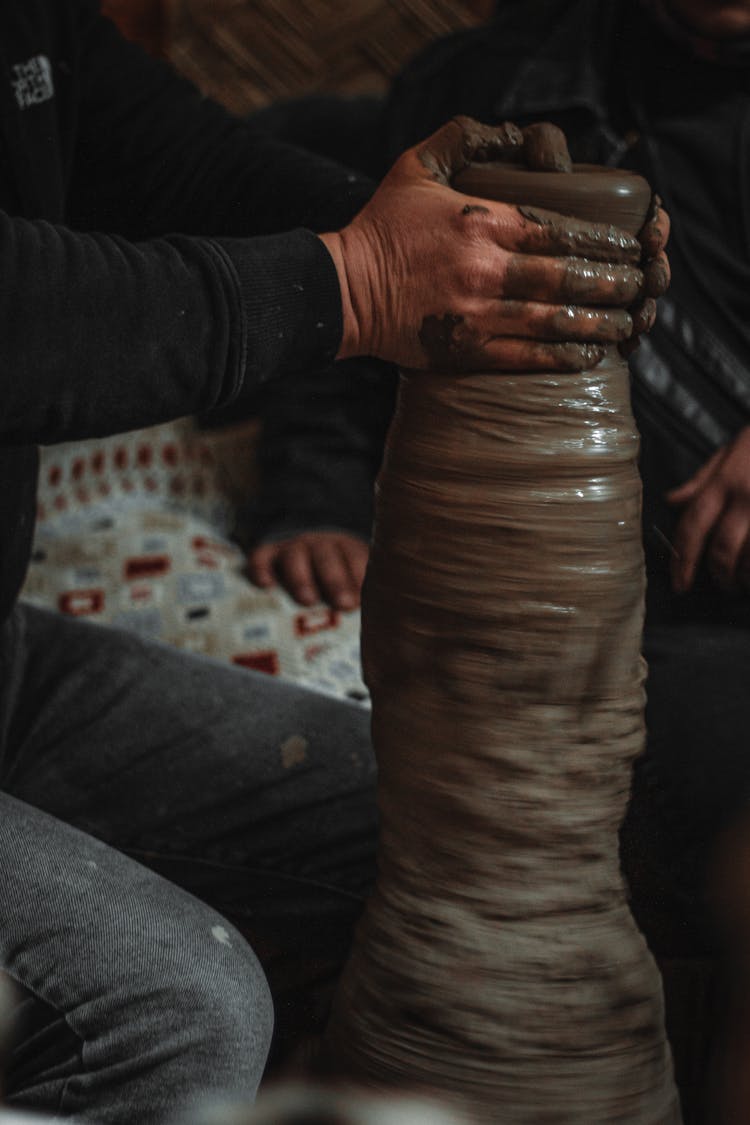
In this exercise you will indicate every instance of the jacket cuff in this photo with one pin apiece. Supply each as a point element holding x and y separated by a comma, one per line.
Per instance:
<point>291,304</point>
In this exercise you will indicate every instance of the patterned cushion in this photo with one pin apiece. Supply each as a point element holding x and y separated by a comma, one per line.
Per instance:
<point>135,531</point>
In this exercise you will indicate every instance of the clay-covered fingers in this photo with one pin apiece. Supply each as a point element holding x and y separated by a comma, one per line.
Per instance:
<point>419,266</point>
<point>656,276</point>
<point>574,323</point>
<point>545,148</point>
<point>653,237</point>
<point>643,315</point>
<point>654,234</point>
<point>566,280</point>
<point>546,232</point>
<point>541,146</point>
<point>464,140</point>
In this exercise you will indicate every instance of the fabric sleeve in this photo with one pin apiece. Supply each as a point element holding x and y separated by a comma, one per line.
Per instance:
<point>321,444</point>
<point>187,271</point>
<point>101,335</point>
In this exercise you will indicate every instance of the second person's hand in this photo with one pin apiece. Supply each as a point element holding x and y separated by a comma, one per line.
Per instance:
<point>714,524</point>
<point>313,566</point>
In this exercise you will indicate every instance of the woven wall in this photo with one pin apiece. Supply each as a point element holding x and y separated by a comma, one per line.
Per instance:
<point>247,53</point>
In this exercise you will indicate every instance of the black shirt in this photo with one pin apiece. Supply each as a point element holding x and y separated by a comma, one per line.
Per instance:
<point>129,290</point>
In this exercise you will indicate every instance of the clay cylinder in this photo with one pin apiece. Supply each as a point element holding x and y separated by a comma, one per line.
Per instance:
<point>497,963</point>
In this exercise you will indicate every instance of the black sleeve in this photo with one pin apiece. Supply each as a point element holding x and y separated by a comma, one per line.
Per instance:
<point>152,155</point>
<point>320,449</point>
<point>101,335</point>
<point>103,332</point>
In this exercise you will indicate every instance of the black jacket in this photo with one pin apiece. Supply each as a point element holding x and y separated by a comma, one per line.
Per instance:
<point>130,291</point>
<point>625,95</point>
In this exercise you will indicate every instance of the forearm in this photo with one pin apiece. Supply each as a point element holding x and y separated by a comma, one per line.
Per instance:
<point>101,335</point>
<point>320,448</point>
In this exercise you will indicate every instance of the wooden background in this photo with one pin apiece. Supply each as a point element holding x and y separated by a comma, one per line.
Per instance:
<point>247,53</point>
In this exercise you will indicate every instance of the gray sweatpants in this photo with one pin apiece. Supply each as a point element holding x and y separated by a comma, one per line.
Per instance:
<point>120,759</point>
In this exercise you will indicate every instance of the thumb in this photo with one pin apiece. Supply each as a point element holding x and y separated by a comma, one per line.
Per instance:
<point>463,140</point>
<point>545,148</point>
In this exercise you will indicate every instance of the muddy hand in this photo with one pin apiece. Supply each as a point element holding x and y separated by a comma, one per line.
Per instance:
<point>543,147</point>
<point>653,237</point>
<point>432,278</point>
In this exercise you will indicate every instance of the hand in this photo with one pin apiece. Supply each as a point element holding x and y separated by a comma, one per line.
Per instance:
<point>314,566</point>
<point>653,237</point>
<point>434,279</point>
<point>715,521</point>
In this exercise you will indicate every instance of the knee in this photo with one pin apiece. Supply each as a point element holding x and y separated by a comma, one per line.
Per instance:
<point>194,1012</point>
<point>223,1012</point>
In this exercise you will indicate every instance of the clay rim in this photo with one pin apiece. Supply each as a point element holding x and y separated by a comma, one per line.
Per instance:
<point>589,191</point>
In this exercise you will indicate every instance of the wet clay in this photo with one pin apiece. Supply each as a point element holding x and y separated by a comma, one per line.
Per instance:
<point>497,963</point>
<point>465,139</point>
<point>603,195</point>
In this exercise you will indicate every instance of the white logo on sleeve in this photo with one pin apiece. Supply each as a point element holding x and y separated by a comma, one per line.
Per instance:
<point>32,81</point>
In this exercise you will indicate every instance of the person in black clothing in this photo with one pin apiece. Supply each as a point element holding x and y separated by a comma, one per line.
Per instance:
<point>662,87</point>
<point>655,87</point>
<point>133,777</point>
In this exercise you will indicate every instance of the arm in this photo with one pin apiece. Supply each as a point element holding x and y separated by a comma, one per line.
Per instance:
<point>546,292</point>
<point>320,448</point>
<point>111,331</point>
<point>101,335</point>
<point>189,163</point>
<point>308,459</point>
<point>185,324</point>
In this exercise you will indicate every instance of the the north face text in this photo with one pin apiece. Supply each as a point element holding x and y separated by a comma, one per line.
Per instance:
<point>32,81</point>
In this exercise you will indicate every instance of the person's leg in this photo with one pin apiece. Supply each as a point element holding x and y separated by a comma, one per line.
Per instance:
<point>686,854</point>
<point>693,782</point>
<point>248,791</point>
<point>133,998</point>
<point>253,794</point>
